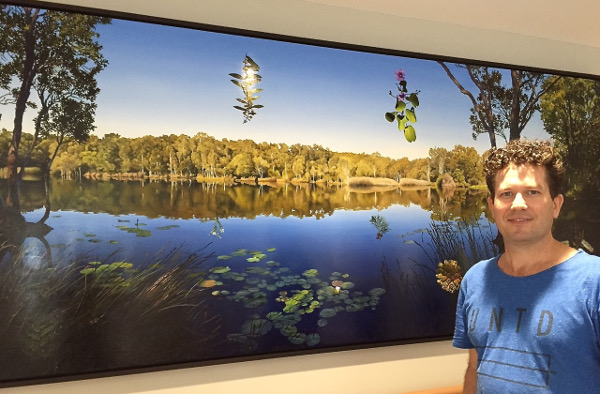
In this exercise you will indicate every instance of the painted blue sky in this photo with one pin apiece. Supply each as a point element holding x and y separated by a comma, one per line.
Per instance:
<point>169,80</point>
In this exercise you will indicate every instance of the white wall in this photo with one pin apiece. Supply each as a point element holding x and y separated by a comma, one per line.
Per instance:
<point>393,369</point>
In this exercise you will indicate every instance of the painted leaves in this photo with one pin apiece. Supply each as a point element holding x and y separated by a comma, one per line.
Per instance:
<point>247,81</point>
<point>404,112</point>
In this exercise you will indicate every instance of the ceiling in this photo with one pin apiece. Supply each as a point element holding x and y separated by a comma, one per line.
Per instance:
<point>575,21</point>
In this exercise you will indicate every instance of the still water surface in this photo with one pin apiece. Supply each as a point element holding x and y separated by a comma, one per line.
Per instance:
<point>271,258</point>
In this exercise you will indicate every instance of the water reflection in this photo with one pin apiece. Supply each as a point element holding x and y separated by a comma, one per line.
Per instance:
<point>211,201</point>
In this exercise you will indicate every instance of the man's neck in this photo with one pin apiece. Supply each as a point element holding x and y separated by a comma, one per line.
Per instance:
<point>526,260</point>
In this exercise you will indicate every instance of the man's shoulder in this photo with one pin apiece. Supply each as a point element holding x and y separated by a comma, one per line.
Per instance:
<point>478,269</point>
<point>585,261</point>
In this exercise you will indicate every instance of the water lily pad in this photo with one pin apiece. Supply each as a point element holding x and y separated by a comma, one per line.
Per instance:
<point>137,231</point>
<point>376,292</point>
<point>253,259</point>
<point>272,263</point>
<point>311,273</point>
<point>313,339</point>
<point>297,339</point>
<point>208,283</point>
<point>224,257</point>
<point>240,252</point>
<point>257,299</point>
<point>256,327</point>
<point>288,330</point>
<point>322,322</point>
<point>168,227</point>
<point>257,270</point>
<point>102,268</point>
<point>354,308</point>
<point>274,315</point>
<point>328,312</point>
<point>120,264</point>
<point>87,271</point>
<point>271,249</point>
<point>220,270</point>
<point>409,241</point>
<point>143,233</point>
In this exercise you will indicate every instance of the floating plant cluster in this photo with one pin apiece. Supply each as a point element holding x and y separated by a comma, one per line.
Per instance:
<point>287,297</point>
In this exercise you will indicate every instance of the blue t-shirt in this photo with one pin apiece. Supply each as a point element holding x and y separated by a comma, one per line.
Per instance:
<point>538,333</point>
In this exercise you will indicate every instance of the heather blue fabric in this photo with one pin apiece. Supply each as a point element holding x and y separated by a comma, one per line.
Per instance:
<point>533,334</point>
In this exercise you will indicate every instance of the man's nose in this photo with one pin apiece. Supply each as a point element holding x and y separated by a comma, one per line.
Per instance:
<point>519,202</point>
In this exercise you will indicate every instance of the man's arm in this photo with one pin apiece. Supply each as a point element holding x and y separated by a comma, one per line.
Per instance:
<point>470,385</point>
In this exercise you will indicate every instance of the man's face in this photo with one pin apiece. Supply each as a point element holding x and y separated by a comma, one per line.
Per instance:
<point>523,208</point>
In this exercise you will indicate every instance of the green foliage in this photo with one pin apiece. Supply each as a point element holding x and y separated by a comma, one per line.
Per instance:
<point>171,157</point>
<point>58,55</point>
<point>571,115</point>
<point>247,82</point>
<point>405,116</point>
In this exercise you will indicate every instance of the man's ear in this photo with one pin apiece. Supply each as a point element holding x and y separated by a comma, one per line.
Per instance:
<point>558,202</point>
<point>490,202</point>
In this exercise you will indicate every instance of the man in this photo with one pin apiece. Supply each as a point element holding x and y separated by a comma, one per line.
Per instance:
<point>531,316</point>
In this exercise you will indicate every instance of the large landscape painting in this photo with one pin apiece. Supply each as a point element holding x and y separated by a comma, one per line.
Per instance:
<point>179,196</point>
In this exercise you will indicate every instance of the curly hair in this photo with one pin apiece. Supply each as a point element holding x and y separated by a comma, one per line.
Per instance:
<point>540,153</point>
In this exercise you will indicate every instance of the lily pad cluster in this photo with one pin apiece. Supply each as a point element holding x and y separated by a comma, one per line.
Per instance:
<point>279,299</point>
<point>108,275</point>
<point>139,232</point>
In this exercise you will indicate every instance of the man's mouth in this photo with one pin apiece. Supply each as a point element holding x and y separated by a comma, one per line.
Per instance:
<point>519,220</point>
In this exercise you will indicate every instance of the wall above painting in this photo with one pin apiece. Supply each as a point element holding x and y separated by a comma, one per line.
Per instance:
<point>537,37</point>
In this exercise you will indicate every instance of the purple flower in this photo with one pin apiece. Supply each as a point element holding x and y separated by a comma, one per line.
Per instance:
<point>400,75</point>
<point>401,96</point>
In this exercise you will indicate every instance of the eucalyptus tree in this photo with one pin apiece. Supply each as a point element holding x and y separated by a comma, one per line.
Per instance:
<point>571,114</point>
<point>57,55</point>
<point>498,106</point>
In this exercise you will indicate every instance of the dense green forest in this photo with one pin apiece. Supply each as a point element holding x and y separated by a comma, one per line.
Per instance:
<point>202,156</point>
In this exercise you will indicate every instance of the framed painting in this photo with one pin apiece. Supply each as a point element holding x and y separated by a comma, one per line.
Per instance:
<point>179,195</point>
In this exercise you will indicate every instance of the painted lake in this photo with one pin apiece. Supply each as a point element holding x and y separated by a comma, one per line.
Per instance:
<point>114,275</point>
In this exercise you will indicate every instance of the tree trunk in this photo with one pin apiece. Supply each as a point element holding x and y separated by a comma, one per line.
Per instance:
<point>27,77</point>
<point>515,109</point>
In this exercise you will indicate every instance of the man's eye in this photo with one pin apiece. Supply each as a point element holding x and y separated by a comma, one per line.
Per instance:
<point>533,192</point>
<point>505,194</point>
